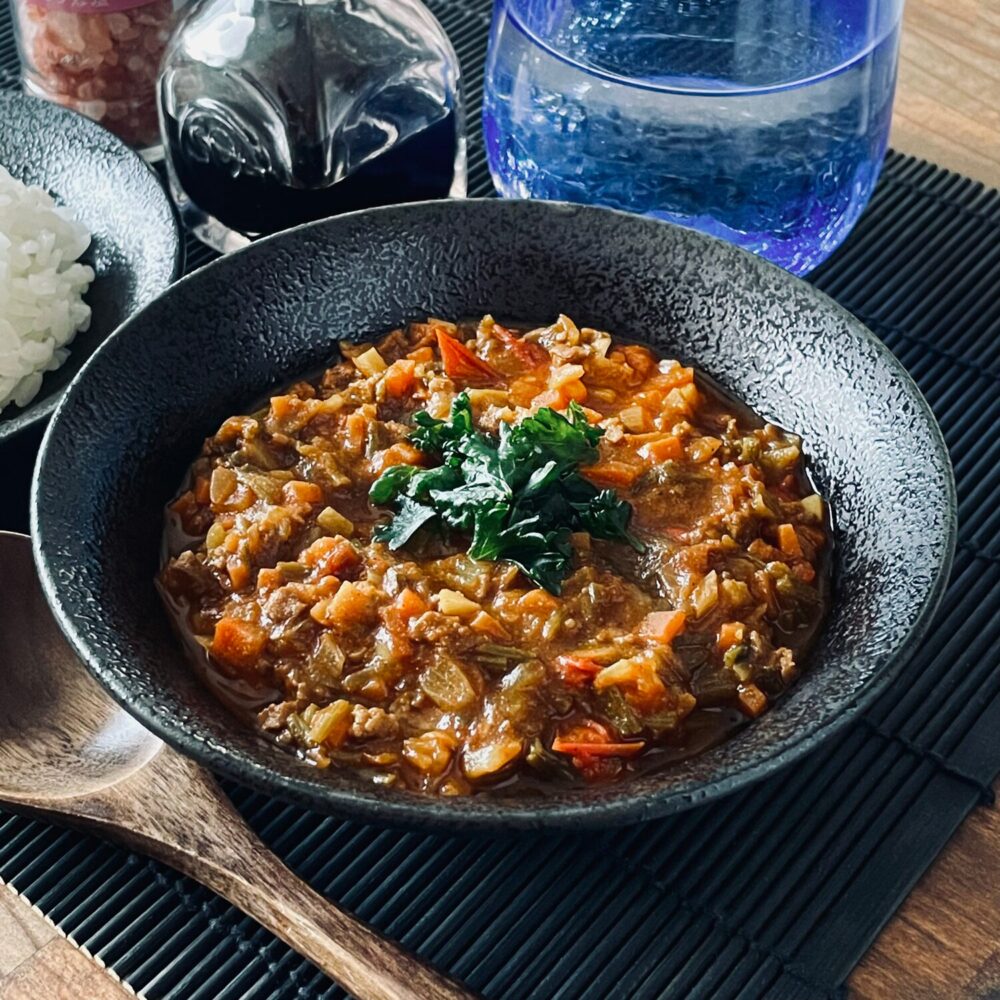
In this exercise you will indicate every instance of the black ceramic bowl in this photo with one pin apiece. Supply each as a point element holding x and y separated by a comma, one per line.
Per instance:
<point>214,343</point>
<point>136,250</point>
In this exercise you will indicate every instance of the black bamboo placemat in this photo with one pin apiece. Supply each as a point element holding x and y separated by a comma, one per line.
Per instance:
<point>773,892</point>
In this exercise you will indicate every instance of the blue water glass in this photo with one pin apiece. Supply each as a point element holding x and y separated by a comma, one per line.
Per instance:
<point>763,122</point>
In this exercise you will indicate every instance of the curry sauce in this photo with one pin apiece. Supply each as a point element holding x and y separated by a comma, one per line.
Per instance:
<point>634,601</point>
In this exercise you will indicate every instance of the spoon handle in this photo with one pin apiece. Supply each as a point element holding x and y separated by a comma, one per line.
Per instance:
<point>365,963</point>
<point>174,811</point>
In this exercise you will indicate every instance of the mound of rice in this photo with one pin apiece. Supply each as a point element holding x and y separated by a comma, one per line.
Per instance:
<point>41,287</point>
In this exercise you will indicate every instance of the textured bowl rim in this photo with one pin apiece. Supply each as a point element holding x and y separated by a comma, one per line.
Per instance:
<point>416,810</point>
<point>35,413</point>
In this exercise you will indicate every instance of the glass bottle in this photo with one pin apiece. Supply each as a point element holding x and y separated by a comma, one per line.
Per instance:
<point>278,112</point>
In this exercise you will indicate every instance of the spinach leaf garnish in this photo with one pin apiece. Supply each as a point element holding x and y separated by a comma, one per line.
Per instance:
<point>518,496</point>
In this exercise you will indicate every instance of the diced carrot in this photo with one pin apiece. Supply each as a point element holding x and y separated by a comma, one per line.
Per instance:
<point>576,670</point>
<point>460,362</point>
<point>269,579</point>
<point>575,390</point>
<point>530,354</point>
<point>638,679</point>
<point>804,571</point>
<point>332,723</point>
<point>539,601</point>
<point>238,643</point>
<point>752,700</point>
<point>356,427</point>
<point>485,622</point>
<point>585,750</point>
<point>239,572</point>
<point>523,390</point>
<point>675,376</point>
<point>330,555</point>
<point>202,490</point>
<point>409,604</point>
<point>298,491</point>
<point>398,377</point>
<point>668,449</point>
<point>731,634</point>
<point>400,453</point>
<point>593,417</point>
<point>618,475</point>
<point>663,626</point>
<point>788,541</point>
<point>556,399</point>
<point>282,407</point>
<point>422,354</point>
<point>761,550</point>
<point>325,586</point>
<point>586,731</point>
<point>701,449</point>
<point>185,505</point>
<point>639,359</point>
<point>351,603</point>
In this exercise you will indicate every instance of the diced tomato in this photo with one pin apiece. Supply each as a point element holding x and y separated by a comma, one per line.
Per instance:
<point>804,571</point>
<point>530,354</point>
<point>238,643</point>
<point>460,362</point>
<point>576,670</point>
<point>663,626</point>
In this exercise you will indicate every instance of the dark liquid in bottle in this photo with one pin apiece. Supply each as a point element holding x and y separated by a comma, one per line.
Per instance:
<point>255,202</point>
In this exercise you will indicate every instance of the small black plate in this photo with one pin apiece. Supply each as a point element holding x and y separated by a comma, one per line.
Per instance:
<point>217,340</point>
<point>136,249</point>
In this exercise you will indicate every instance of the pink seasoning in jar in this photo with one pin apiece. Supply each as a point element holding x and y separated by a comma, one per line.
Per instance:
<point>98,57</point>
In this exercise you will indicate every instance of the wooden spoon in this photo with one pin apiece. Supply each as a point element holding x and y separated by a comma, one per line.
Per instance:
<point>67,751</point>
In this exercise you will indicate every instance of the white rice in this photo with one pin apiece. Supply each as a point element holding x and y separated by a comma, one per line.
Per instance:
<point>41,287</point>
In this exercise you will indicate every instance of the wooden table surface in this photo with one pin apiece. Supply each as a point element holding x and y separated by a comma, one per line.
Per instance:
<point>944,942</point>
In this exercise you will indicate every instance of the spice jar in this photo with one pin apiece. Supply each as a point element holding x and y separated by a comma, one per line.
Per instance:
<point>97,57</point>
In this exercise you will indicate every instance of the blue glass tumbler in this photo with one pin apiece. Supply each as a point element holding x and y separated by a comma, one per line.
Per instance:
<point>763,122</point>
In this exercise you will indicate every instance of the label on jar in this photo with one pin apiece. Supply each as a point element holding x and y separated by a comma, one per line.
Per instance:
<point>91,6</point>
